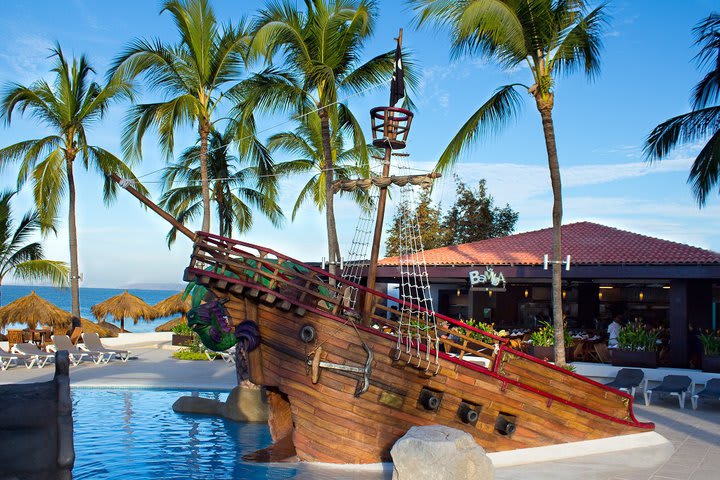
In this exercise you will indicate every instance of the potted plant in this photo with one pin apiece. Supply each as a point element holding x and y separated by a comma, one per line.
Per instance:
<point>182,335</point>
<point>543,343</point>
<point>711,351</point>
<point>637,346</point>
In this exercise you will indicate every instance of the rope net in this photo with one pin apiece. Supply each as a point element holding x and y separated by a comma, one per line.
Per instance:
<point>357,261</point>
<point>416,326</point>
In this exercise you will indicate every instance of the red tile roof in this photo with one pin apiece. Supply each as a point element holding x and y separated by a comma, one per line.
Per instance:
<point>586,242</point>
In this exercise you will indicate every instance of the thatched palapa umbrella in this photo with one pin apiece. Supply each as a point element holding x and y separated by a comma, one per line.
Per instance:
<point>125,305</point>
<point>170,306</point>
<point>92,327</point>
<point>33,309</point>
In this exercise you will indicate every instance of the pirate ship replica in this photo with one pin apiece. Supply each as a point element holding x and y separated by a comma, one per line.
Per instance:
<point>348,369</point>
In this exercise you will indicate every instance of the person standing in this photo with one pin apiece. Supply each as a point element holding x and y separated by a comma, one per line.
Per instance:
<point>613,331</point>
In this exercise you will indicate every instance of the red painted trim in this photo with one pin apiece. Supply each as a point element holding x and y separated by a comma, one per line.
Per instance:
<point>347,282</point>
<point>443,355</point>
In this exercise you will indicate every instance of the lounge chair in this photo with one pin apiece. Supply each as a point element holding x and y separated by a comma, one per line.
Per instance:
<point>62,342</point>
<point>628,379</point>
<point>92,343</point>
<point>676,385</point>
<point>711,390</point>
<point>75,335</point>
<point>32,354</point>
<point>6,359</point>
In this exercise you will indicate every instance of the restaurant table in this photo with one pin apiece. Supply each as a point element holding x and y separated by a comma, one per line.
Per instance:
<point>40,337</point>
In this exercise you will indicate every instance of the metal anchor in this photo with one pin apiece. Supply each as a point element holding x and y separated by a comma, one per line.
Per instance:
<point>316,364</point>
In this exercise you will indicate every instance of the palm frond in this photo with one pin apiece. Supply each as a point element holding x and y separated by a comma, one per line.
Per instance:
<point>580,46</point>
<point>707,91</point>
<point>705,170</point>
<point>491,117</point>
<point>49,187</point>
<point>37,270</point>
<point>685,128</point>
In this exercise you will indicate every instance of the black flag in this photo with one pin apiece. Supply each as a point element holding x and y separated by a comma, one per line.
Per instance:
<point>397,85</point>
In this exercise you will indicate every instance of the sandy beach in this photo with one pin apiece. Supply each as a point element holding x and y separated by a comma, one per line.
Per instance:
<point>695,434</point>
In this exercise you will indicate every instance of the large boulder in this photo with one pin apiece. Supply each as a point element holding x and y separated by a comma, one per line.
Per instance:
<point>440,452</point>
<point>242,405</point>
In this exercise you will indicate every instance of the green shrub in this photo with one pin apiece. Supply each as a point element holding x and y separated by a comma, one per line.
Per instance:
<point>635,337</point>
<point>486,327</point>
<point>545,336</point>
<point>711,342</point>
<point>188,354</point>
<point>182,329</point>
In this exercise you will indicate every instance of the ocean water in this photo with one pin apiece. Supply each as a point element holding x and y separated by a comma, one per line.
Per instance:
<point>89,297</point>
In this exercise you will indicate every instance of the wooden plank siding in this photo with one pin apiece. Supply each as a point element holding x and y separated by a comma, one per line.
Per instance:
<point>331,424</point>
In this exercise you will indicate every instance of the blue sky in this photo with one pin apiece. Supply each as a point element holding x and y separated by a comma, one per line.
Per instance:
<point>647,74</point>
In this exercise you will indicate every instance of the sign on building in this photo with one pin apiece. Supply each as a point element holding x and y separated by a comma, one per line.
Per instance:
<point>489,278</point>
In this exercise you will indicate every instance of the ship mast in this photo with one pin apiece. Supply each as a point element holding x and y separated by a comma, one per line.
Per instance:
<point>390,126</point>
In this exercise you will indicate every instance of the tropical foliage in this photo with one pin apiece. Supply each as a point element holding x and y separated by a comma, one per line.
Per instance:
<point>305,143</point>
<point>485,327</point>
<point>232,188</point>
<point>637,337</point>
<point>22,259</point>
<point>711,342</point>
<point>703,122</point>
<point>314,62</point>
<point>68,107</point>
<point>196,75</point>
<point>552,37</point>
<point>545,336</point>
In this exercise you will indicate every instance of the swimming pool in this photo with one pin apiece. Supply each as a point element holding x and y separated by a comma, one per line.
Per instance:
<point>135,435</point>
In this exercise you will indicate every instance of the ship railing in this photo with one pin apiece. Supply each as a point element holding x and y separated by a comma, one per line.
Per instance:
<point>280,278</point>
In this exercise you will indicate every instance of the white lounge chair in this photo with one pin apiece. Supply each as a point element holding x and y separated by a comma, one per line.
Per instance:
<point>6,359</point>
<point>62,342</point>
<point>32,355</point>
<point>92,343</point>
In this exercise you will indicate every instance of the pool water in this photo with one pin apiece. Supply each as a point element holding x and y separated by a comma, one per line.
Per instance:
<point>135,435</point>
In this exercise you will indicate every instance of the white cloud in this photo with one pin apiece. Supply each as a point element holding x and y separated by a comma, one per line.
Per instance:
<point>28,58</point>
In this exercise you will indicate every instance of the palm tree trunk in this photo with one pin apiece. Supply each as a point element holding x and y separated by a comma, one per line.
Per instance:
<point>204,132</point>
<point>333,244</point>
<point>545,106</point>
<point>72,233</point>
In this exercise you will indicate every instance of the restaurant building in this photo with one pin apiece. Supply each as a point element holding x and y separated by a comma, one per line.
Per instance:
<point>506,281</point>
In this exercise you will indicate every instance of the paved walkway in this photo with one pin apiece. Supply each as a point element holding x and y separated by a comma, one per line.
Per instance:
<point>695,434</point>
<point>147,367</point>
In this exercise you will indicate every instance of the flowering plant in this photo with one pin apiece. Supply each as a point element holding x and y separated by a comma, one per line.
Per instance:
<point>711,342</point>
<point>636,337</point>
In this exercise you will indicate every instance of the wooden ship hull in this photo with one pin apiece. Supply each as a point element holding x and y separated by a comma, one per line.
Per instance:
<point>343,389</point>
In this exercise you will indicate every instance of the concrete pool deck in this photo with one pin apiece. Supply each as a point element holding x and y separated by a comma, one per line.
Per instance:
<point>694,434</point>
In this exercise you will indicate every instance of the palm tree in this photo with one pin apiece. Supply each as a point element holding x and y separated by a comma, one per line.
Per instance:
<point>553,37</point>
<point>68,107</point>
<point>21,259</point>
<point>306,144</point>
<point>229,188</point>
<point>195,76</point>
<point>320,50</point>
<point>703,121</point>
